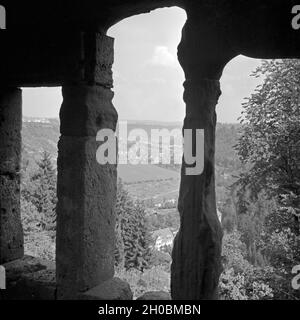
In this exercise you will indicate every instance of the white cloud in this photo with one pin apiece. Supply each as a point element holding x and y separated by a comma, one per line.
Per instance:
<point>163,57</point>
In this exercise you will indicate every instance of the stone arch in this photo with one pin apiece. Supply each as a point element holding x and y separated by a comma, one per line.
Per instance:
<point>66,45</point>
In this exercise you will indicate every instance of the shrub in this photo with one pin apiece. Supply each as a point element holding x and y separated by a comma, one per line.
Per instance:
<point>153,279</point>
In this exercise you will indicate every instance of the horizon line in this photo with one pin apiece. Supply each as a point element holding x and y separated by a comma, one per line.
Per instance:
<point>130,120</point>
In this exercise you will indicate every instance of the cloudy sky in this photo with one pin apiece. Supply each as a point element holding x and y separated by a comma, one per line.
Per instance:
<point>147,76</point>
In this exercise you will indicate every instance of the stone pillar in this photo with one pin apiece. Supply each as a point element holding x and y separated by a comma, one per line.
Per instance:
<point>11,232</point>
<point>196,253</point>
<point>86,189</point>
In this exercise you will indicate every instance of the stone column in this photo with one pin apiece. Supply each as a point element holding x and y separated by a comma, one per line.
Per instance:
<point>11,232</point>
<point>196,254</point>
<point>86,189</point>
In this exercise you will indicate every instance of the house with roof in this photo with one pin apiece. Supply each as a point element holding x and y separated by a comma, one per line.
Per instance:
<point>163,237</point>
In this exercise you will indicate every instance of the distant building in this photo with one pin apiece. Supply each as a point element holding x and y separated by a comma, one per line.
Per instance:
<point>36,120</point>
<point>163,237</point>
<point>219,213</point>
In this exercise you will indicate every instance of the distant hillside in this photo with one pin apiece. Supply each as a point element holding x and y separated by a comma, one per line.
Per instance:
<point>43,134</point>
<point>144,173</point>
<point>226,138</point>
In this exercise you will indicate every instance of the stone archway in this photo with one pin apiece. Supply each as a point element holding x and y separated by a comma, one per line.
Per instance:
<point>77,55</point>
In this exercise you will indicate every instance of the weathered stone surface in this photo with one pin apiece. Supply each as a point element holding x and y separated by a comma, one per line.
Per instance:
<point>27,264</point>
<point>112,289</point>
<point>86,189</point>
<point>40,285</point>
<point>87,109</point>
<point>196,265</point>
<point>247,26</point>
<point>49,57</point>
<point>99,58</point>
<point>196,254</point>
<point>86,199</point>
<point>10,130</point>
<point>11,232</point>
<point>66,56</point>
<point>29,278</point>
<point>155,295</point>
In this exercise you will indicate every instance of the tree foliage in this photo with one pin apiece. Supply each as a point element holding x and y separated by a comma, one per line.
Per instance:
<point>269,144</point>
<point>40,191</point>
<point>268,189</point>
<point>132,234</point>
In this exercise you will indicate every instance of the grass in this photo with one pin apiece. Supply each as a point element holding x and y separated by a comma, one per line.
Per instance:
<point>144,173</point>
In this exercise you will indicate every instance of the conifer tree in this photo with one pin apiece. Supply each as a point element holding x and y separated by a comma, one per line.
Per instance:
<point>132,245</point>
<point>43,193</point>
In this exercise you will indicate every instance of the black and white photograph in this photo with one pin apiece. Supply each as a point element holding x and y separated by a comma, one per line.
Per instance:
<point>149,151</point>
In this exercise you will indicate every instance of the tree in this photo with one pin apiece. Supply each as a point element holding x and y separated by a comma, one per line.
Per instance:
<point>132,234</point>
<point>240,280</point>
<point>42,191</point>
<point>269,145</point>
<point>269,186</point>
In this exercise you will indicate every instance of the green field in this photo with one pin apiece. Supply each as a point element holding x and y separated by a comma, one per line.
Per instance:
<point>130,173</point>
<point>145,182</point>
